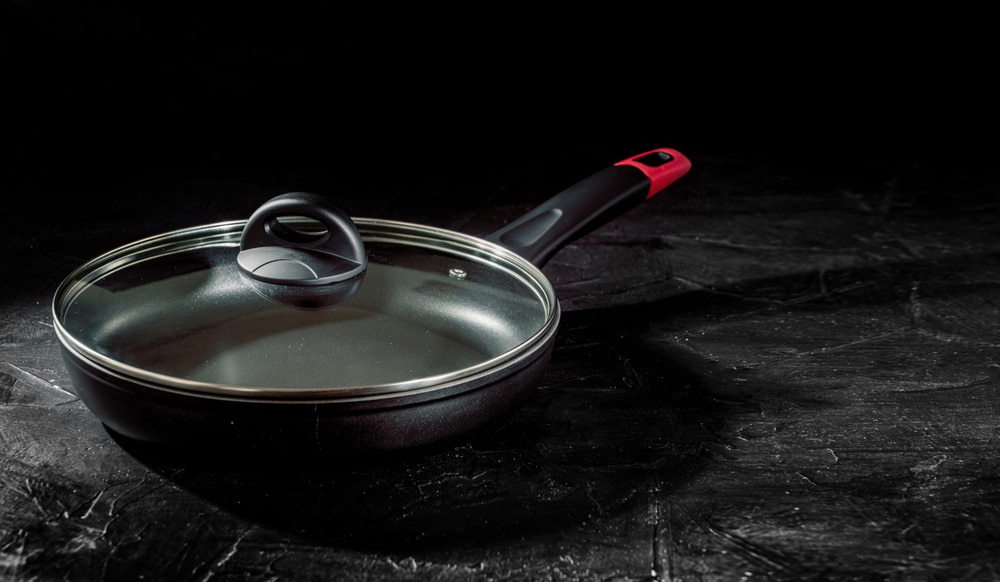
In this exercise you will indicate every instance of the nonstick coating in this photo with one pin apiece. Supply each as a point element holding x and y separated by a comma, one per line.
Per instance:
<point>180,420</point>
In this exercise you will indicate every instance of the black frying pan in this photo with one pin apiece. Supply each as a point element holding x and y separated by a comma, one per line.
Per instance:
<point>302,327</point>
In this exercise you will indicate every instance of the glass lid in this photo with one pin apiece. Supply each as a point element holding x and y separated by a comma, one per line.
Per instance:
<point>177,310</point>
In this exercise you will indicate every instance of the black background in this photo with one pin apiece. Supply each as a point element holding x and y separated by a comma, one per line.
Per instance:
<point>382,102</point>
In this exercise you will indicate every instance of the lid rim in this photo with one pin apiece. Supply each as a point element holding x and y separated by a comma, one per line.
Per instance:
<point>393,394</point>
<point>223,233</point>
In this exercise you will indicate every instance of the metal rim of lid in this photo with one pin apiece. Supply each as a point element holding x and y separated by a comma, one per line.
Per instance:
<point>381,230</point>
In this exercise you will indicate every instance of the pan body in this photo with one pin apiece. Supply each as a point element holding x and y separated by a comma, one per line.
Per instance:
<point>181,420</point>
<point>167,343</point>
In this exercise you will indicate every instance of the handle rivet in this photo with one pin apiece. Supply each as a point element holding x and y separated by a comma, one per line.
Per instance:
<point>457,274</point>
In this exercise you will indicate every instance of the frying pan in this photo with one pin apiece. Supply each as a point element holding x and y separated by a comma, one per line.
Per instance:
<point>302,328</point>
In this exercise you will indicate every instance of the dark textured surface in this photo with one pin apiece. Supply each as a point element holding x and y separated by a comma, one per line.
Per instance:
<point>784,368</point>
<point>759,373</point>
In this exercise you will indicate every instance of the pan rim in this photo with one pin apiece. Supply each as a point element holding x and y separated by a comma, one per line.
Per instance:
<point>362,401</point>
<point>372,229</point>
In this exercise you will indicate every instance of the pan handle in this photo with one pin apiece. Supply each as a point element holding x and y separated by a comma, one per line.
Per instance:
<point>590,203</point>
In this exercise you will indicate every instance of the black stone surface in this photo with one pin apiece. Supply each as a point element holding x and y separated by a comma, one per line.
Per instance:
<point>784,368</point>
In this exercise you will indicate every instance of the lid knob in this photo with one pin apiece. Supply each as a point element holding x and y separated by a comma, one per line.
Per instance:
<point>299,249</point>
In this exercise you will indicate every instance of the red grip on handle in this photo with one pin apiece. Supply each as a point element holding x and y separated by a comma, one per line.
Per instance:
<point>663,167</point>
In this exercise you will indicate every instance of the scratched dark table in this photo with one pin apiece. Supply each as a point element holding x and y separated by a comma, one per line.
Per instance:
<point>786,367</point>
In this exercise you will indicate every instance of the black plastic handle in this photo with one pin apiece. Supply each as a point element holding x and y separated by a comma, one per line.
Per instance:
<point>590,203</point>
<point>300,263</point>
<point>275,252</point>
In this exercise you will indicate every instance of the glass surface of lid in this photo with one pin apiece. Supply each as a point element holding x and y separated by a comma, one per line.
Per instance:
<point>433,306</point>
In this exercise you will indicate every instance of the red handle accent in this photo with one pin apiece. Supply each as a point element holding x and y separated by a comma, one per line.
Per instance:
<point>663,167</point>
